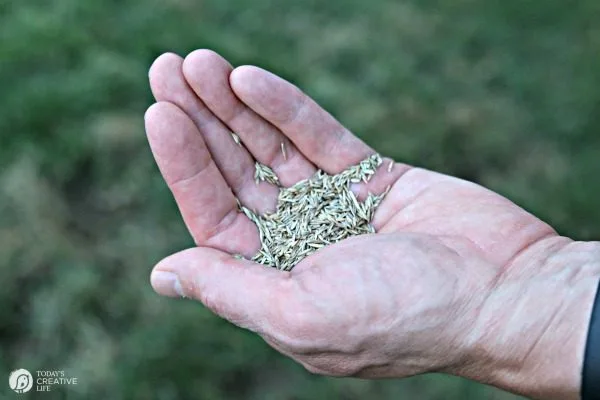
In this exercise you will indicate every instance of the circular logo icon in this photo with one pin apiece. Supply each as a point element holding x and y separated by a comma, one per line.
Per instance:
<point>20,381</point>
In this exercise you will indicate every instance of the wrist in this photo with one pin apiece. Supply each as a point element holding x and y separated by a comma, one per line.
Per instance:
<point>531,331</point>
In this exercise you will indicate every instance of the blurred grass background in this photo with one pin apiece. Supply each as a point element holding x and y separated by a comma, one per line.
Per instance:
<point>502,92</point>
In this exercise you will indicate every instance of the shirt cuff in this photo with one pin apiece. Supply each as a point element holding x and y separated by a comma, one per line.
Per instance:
<point>590,382</point>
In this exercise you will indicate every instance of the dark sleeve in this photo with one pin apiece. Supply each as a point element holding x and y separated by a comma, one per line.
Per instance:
<point>590,385</point>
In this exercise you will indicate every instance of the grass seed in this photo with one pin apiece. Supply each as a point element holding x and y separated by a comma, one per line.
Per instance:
<point>313,213</point>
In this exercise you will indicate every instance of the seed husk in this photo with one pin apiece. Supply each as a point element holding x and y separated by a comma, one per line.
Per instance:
<point>236,139</point>
<point>283,151</point>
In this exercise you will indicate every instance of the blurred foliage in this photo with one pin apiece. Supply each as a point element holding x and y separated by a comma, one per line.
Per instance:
<point>504,93</point>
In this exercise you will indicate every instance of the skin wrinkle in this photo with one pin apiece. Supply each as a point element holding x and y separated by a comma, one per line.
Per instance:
<point>362,293</point>
<point>347,145</point>
<point>364,279</point>
<point>335,365</point>
<point>282,166</point>
<point>388,324</point>
<point>239,174</point>
<point>396,211</point>
<point>397,214</point>
<point>432,192</point>
<point>543,259</point>
<point>274,157</point>
<point>304,343</point>
<point>209,124</point>
<point>408,228</point>
<point>168,162</point>
<point>238,111</point>
<point>528,246</point>
<point>209,290</point>
<point>591,266</point>
<point>304,287</point>
<point>243,181</point>
<point>475,342</point>
<point>203,169</point>
<point>301,104</point>
<point>206,232</point>
<point>292,339</point>
<point>545,330</point>
<point>226,222</point>
<point>461,314</point>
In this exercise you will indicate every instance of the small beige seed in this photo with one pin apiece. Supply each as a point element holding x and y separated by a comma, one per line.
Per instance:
<point>313,213</point>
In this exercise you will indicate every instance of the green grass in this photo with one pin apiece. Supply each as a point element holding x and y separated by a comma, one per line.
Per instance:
<point>505,93</point>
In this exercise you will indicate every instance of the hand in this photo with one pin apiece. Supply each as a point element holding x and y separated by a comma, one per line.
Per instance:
<point>431,291</point>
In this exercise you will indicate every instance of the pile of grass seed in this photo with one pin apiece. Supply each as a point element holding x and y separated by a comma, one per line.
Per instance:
<point>313,213</point>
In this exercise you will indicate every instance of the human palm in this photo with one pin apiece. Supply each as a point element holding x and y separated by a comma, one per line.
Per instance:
<point>390,304</point>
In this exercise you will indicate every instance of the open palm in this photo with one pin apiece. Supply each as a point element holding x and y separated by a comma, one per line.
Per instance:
<point>439,238</point>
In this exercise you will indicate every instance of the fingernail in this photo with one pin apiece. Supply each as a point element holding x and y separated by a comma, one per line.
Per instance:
<point>166,284</point>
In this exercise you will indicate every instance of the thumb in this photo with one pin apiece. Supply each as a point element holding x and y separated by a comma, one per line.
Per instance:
<point>240,291</point>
